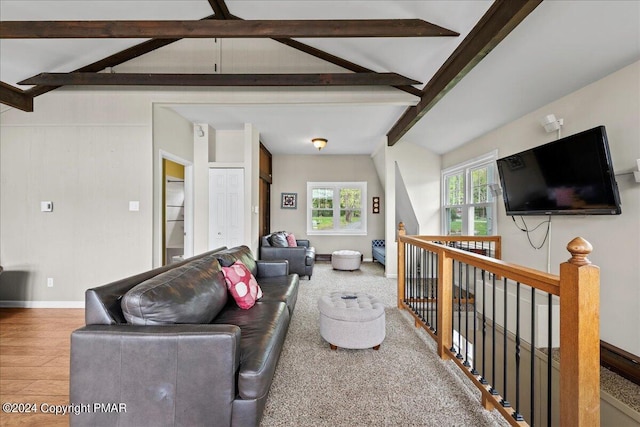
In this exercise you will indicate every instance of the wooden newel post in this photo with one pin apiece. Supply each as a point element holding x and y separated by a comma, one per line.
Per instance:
<point>401,264</point>
<point>444,304</point>
<point>579,338</point>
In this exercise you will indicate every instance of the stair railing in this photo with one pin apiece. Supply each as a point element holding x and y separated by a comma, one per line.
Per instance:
<point>474,306</point>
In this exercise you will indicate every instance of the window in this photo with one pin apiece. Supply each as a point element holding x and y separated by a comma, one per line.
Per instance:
<point>469,205</point>
<point>337,208</point>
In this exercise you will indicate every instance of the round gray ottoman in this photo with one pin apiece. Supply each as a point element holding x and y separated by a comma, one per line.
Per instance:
<point>351,320</point>
<point>346,260</point>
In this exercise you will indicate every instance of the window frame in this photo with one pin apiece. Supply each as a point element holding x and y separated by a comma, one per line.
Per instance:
<point>336,186</point>
<point>467,206</point>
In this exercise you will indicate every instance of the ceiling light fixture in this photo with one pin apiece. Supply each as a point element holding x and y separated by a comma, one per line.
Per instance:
<point>319,143</point>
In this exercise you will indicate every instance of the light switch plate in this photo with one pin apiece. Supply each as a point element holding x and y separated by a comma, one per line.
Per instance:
<point>134,206</point>
<point>46,206</point>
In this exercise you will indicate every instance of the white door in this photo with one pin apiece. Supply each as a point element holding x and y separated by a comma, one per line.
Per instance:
<point>226,208</point>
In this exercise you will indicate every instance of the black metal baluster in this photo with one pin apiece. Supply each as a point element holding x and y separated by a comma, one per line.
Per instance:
<point>459,354</point>
<point>493,390</point>
<point>516,414</point>
<point>412,278</point>
<point>549,360</point>
<point>532,416</point>
<point>423,284</point>
<point>474,371</point>
<point>407,290</point>
<point>423,314</point>
<point>483,378</point>
<point>416,278</point>
<point>466,318</point>
<point>504,402</point>
<point>425,294</point>
<point>437,270</point>
<point>430,291</point>
<point>453,305</point>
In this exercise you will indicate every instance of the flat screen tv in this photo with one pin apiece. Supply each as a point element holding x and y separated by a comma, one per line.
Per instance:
<point>571,176</point>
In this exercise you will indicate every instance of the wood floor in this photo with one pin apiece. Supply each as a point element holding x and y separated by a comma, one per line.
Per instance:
<point>34,362</point>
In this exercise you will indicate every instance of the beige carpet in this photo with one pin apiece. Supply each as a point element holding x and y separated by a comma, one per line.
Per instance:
<point>402,384</point>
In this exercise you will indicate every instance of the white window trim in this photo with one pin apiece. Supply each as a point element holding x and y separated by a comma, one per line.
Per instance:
<point>344,232</point>
<point>489,157</point>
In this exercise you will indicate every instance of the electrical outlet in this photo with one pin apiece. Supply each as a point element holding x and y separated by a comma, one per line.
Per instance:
<point>49,282</point>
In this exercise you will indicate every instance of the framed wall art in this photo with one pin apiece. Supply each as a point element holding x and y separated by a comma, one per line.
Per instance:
<point>289,201</point>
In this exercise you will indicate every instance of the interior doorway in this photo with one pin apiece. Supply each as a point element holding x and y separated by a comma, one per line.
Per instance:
<point>177,216</point>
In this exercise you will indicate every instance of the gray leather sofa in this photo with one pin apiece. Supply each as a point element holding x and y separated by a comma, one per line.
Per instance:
<point>189,356</point>
<point>301,258</point>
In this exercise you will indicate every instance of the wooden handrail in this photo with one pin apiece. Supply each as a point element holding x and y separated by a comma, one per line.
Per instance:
<point>540,280</point>
<point>577,287</point>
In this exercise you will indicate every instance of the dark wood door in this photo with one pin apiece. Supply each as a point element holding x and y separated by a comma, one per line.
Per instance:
<point>265,208</point>
<point>265,192</point>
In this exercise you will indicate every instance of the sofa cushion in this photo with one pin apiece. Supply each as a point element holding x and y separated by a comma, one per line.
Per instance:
<point>192,293</point>
<point>242,285</point>
<point>240,253</point>
<point>263,330</point>
<point>291,240</point>
<point>280,288</point>
<point>279,240</point>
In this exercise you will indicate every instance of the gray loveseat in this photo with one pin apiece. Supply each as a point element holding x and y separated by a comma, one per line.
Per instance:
<point>174,347</point>
<point>301,258</point>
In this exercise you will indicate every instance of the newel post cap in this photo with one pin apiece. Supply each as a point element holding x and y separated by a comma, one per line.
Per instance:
<point>579,249</point>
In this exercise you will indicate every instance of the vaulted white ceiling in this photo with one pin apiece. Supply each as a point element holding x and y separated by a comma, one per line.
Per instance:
<point>560,47</point>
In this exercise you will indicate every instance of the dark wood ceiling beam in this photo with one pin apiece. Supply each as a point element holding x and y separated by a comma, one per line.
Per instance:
<point>501,18</point>
<point>15,97</point>
<point>341,62</point>
<point>113,60</point>
<point>220,9</point>
<point>231,28</point>
<point>131,79</point>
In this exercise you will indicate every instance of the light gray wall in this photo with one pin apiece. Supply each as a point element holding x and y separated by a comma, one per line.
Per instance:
<point>90,158</point>
<point>420,170</point>
<point>405,212</point>
<point>291,174</point>
<point>614,102</point>
<point>173,136</point>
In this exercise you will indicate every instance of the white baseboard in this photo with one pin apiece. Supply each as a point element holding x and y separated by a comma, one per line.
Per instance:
<point>391,275</point>
<point>41,304</point>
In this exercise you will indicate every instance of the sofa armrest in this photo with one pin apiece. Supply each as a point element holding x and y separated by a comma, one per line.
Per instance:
<point>272,268</point>
<point>159,373</point>
<point>303,242</point>
<point>270,253</point>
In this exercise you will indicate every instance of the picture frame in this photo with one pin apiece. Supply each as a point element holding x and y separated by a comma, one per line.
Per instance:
<point>289,201</point>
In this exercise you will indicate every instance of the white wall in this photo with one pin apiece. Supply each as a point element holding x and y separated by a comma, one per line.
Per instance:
<point>614,102</point>
<point>291,174</point>
<point>90,159</point>
<point>420,170</point>
<point>172,137</point>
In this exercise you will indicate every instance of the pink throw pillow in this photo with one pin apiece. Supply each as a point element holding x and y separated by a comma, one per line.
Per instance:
<point>291,240</point>
<point>242,285</point>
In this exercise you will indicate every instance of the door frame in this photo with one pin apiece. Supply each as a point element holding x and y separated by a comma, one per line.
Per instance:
<point>188,204</point>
